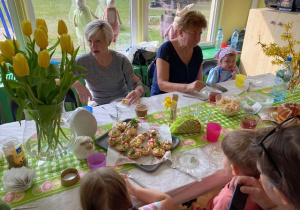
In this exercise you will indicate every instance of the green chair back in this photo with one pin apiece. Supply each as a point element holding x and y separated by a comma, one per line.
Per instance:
<point>5,110</point>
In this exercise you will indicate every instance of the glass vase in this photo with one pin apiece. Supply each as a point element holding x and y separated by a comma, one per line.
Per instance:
<point>48,134</point>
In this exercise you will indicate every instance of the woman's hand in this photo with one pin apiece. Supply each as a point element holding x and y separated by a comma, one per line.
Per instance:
<point>195,86</point>
<point>134,95</point>
<point>84,94</point>
<point>255,190</point>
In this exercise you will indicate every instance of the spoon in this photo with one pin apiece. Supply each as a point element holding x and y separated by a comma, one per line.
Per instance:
<point>111,116</point>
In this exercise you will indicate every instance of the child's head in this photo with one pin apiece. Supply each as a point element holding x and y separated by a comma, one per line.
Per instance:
<point>236,148</point>
<point>226,57</point>
<point>238,157</point>
<point>104,188</point>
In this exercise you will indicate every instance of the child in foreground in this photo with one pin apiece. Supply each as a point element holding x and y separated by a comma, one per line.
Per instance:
<point>226,68</point>
<point>103,188</point>
<point>238,160</point>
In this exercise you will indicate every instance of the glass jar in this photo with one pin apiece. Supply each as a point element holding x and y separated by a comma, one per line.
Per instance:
<point>14,152</point>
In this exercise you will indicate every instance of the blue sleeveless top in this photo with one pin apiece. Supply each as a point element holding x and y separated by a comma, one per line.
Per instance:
<point>179,71</point>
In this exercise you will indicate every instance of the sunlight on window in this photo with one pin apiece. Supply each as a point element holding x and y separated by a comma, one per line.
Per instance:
<point>78,13</point>
<point>162,14</point>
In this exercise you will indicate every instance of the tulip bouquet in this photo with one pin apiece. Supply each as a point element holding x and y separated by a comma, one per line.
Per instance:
<point>40,87</point>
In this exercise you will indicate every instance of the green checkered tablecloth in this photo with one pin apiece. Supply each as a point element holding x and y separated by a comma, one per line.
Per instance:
<point>47,184</point>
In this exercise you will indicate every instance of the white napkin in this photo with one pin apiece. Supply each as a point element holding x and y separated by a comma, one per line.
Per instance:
<point>18,179</point>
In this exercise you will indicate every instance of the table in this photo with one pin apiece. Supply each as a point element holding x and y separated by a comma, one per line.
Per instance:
<point>180,186</point>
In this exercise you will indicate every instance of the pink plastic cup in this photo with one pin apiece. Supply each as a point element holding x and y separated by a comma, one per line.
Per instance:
<point>96,160</point>
<point>213,131</point>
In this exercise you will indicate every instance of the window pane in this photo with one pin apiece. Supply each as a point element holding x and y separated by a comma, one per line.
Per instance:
<point>54,10</point>
<point>162,13</point>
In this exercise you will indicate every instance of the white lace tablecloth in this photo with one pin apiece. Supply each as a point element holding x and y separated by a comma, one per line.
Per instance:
<point>181,186</point>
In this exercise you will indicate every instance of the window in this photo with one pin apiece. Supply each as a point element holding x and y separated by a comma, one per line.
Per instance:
<point>162,13</point>
<point>6,28</point>
<point>54,10</point>
<point>135,27</point>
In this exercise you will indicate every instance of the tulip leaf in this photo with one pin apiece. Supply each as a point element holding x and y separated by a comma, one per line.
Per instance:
<point>74,67</point>
<point>22,106</point>
<point>53,71</point>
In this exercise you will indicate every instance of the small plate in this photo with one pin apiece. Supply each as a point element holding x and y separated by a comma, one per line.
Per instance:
<point>102,142</point>
<point>263,99</point>
<point>190,162</point>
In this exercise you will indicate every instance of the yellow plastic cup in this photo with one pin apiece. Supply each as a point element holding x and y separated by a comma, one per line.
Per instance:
<point>239,80</point>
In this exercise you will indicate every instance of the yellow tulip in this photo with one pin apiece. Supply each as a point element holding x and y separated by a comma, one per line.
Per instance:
<point>20,65</point>
<point>17,44</point>
<point>66,43</point>
<point>44,29</point>
<point>26,27</point>
<point>40,38</point>
<point>71,50</point>
<point>44,59</point>
<point>12,43</point>
<point>62,27</point>
<point>7,48</point>
<point>42,22</point>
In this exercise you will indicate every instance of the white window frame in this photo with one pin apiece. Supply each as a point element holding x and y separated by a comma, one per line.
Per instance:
<point>213,24</point>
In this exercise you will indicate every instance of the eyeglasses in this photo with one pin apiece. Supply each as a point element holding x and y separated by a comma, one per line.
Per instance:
<point>271,132</point>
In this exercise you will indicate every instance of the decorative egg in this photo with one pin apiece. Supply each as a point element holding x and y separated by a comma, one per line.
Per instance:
<point>84,122</point>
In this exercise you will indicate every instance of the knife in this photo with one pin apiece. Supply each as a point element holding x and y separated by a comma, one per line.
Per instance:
<point>194,97</point>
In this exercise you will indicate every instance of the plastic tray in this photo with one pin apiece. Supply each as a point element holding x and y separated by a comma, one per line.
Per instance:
<point>102,142</point>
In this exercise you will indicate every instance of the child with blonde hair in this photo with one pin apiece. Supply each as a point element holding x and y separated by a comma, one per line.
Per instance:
<point>103,188</point>
<point>238,160</point>
<point>226,68</point>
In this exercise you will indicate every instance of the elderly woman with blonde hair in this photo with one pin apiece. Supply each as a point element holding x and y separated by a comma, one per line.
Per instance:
<point>109,73</point>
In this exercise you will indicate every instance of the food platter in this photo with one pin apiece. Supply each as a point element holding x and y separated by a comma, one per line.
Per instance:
<point>263,99</point>
<point>102,142</point>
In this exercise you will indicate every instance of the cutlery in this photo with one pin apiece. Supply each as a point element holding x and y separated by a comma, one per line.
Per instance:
<point>128,175</point>
<point>250,83</point>
<point>241,93</point>
<point>194,97</point>
<point>24,207</point>
<point>111,116</point>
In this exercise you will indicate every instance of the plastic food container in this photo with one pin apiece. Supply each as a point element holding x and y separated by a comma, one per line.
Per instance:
<point>228,106</point>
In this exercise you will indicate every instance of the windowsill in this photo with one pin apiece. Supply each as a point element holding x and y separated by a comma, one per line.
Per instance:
<point>208,54</point>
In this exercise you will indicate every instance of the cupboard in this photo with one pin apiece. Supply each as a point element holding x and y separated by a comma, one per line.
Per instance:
<point>266,23</point>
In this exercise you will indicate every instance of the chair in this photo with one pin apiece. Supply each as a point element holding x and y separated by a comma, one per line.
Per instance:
<point>71,102</point>
<point>150,72</point>
<point>6,114</point>
<point>207,66</point>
